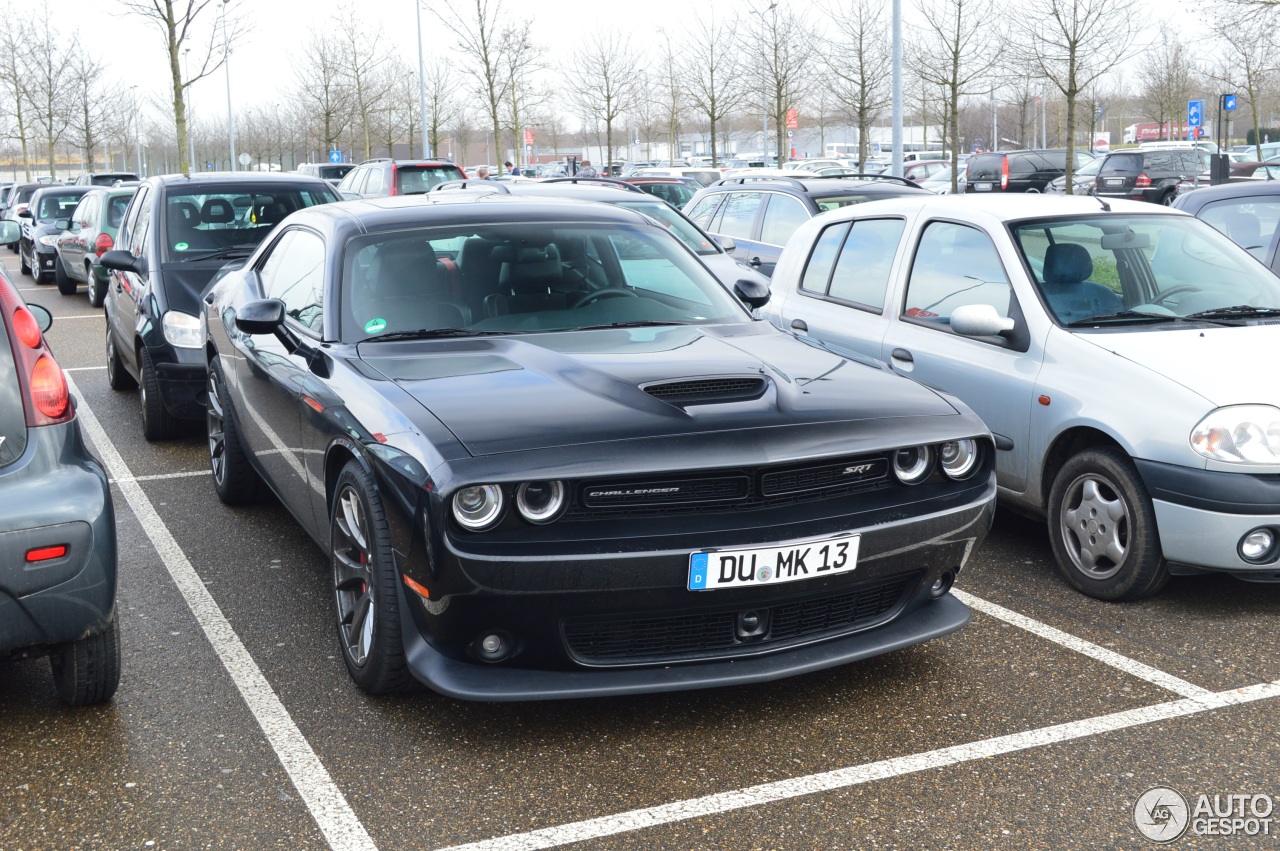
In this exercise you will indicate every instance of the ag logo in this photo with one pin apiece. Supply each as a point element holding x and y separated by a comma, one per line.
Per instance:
<point>1161,814</point>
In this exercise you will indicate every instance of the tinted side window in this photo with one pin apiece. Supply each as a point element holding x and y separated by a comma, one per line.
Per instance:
<point>955,265</point>
<point>294,273</point>
<point>349,182</point>
<point>704,209</point>
<point>375,185</point>
<point>817,274</point>
<point>781,218</point>
<point>738,215</point>
<point>1250,222</point>
<point>1122,164</point>
<point>140,223</point>
<point>1021,164</point>
<point>1161,163</point>
<point>862,271</point>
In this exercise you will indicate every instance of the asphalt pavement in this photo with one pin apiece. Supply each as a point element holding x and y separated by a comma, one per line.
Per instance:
<point>1041,725</point>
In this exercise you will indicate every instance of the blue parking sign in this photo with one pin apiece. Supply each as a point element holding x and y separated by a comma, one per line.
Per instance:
<point>1195,111</point>
<point>1229,103</point>
<point>335,156</point>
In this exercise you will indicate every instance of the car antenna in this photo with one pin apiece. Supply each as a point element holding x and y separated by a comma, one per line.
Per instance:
<point>1094,192</point>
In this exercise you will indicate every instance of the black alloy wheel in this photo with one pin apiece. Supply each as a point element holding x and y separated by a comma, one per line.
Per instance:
<point>93,287</point>
<point>234,479</point>
<point>364,585</point>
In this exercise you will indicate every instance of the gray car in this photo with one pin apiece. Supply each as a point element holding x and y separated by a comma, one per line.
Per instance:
<point>1119,352</point>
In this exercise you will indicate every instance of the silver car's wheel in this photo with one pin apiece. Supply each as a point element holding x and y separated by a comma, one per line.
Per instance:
<point>1102,527</point>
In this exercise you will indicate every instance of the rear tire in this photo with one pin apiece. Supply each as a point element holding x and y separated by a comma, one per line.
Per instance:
<point>87,671</point>
<point>118,378</point>
<point>157,422</point>
<point>1167,198</point>
<point>66,285</point>
<point>94,288</point>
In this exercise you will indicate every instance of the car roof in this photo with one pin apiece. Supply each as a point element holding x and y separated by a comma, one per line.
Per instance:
<point>1196,199</point>
<point>818,186</point>
<point>1001,206</point>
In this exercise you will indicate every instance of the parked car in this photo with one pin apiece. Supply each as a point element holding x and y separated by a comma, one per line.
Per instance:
<point>1018,171</point>
<point>922,170</point>
<point>178,232</point>
<point>760,213</point>
<point>705,176</point>
<point>105,178</point>
<point>585,488</point>
<point>676,191</point>
<point>1147,175</point>
<point>90,232</point>
<point>17,199</point>
<point>1248,213</point>
<point>1082,179</point>
<point>939,183</point>
<point>332,172</point>
<point>57,525</point>
<point>382,177</point>
<point>37,250</point>
<point>1093,341</point>
<point>715,253</point>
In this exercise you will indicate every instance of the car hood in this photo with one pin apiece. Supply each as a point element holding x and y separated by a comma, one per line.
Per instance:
<point>507,394</point>
<point>1223,365</point>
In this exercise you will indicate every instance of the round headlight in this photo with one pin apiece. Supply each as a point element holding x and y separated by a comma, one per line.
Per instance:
<point>540,502</point>
<point>1256,546</point>
<point>959,457</point>
<point>1243,434</point>
<point>477,507</point>
<point>911,466</point>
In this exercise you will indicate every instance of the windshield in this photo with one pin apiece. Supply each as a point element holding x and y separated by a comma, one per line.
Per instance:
<point>689,234</point>
<point>1149,265</point>
<point>201,223</point>
<point>525,277</point>
<point>57,206</point>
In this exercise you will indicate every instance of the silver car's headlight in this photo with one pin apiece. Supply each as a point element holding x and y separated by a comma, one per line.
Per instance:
<point>182,330</point>
<point>49,240</point>
<point>1240,434</point>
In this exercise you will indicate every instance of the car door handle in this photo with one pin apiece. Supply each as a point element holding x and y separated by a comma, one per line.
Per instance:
<point>799,325</point>
<point>901,358</point>
<point>754,262</point>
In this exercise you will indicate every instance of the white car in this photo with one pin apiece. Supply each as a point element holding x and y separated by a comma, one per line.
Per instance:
<point>1121,353</point>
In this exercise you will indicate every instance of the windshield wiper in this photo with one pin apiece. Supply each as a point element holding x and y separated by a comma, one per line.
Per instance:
<point>432,333</point>
<point>223,253</point>
<point>638,323</point>
<point>1239,311</point>
<point>1125,316</point>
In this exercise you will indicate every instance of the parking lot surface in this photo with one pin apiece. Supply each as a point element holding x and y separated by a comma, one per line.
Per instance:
<point>1038,726</point>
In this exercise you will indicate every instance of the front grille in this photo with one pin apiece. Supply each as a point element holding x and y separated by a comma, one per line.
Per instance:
<point>651,639</point>
<point>824,476</point>
<point>701,391</point>
<point>665,493</point>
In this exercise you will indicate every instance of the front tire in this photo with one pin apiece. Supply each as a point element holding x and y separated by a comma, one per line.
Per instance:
<point>93,286</point>
<point>87,671</point>
<point>157,422</point>
<point>118,377</point>
<point>22,261</point>
<point>364,585</point>
<point>66,285</point>
<point>234,479</point>
<point>1102,526</point>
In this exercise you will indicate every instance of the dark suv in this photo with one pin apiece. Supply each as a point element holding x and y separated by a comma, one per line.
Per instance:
<point>106,178</point>
<point>1147,175</point>
<point>378,178</point>
<point>1018,171</point>
<point>760,213</point>
<point>178,232</point>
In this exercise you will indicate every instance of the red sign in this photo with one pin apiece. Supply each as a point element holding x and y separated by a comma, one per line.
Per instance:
<point>528,137</point>
<point>793,118</point>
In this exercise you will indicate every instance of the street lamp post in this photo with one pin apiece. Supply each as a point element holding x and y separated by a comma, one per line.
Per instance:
<point>191,139</point>
<point>764,101</point>
<point>422,84</point>
<point>137,143</point>
<point>226,61</point>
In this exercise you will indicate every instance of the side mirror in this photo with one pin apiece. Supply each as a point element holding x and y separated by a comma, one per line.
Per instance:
<point>754,293</point>
<point>10,232</point>
<point>979,320</point>
<point>43,317</point>
<point>725,242</point>
<point>62,224</point>
<point>349,196</point>
<point>123,261</point>
<point>264,316</point>
<point>25,214</point>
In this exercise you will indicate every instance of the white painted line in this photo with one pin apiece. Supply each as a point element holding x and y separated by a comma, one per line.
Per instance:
<point>82,368</point>
<point>57,319</point>
<point>843,778</point>
<point>1086,648</point>
<point>159,477</point>
<point>334,816</point>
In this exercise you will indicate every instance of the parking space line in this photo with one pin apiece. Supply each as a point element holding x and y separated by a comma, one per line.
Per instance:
<point>82,368</point>
<point>1100,654</point>
<point>159,477</point>
<point>324,800</point>
<point>843,778</point>
<point>80,316</point>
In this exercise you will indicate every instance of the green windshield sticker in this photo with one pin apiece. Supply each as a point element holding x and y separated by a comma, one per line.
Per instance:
<point>373,326</point>
<point>181,246</point>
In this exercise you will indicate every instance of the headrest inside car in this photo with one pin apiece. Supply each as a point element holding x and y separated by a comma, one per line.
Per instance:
<point>217,211</point>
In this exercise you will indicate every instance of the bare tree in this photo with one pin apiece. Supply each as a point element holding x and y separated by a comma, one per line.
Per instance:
<point>958,50</point>
<point>858,65</point>
<point>603,80</point>
<point>712,79</point>
<point>1166,72</point>
<point>88,103</point>
<point>361,61</point>
<point>49,88</point>
<point>321,85</point>
<point>1248,62</point>
<point>782,42</point>
<point>443,105</point>
<point>669,96</point>
<point>1073,43</point>
<point>520,60</point>
<point>482,44</point>
<point>176,19</point>
<point>13,52</point>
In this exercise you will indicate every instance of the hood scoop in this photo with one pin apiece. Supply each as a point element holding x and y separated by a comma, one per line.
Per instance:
<point>708,391</point>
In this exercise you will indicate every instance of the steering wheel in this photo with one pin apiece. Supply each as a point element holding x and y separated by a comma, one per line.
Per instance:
<point>607,292</point>
<point>1172,291</point>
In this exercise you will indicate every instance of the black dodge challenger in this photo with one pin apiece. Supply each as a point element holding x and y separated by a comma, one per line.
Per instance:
<point>549,456</point>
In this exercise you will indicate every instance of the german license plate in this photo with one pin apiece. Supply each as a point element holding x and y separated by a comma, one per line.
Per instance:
<point>726,568</point>
<point>982,187</point>
<point>1114,181</point>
